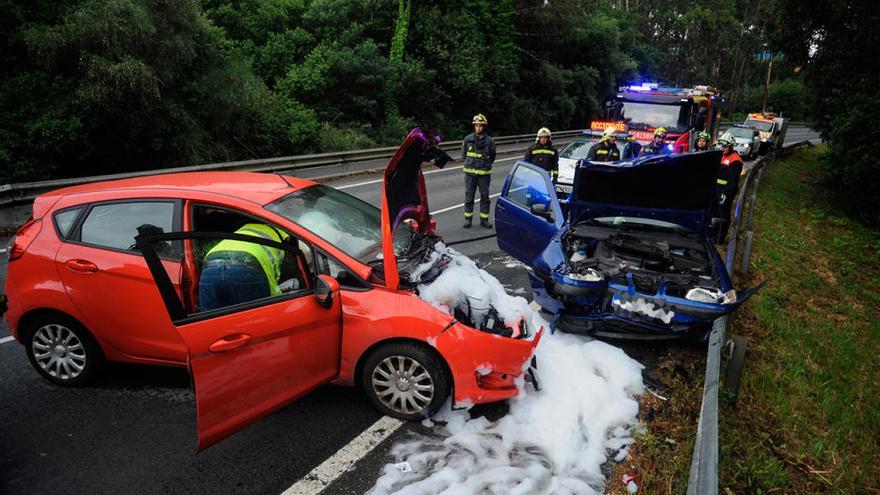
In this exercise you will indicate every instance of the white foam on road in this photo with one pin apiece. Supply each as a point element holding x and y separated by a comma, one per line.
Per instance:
<point>551,442</point>
<point>340,462</point>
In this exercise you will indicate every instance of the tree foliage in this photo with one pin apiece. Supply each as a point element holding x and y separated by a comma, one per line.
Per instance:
<point>95,86</point>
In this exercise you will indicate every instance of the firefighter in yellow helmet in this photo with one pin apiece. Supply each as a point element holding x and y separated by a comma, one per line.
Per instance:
<point>544,154</point>
<point>658,145</point>
<point>478,153</point>
<point>606,149</point>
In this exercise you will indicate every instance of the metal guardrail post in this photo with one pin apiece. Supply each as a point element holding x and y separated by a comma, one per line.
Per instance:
<point>750,235</point>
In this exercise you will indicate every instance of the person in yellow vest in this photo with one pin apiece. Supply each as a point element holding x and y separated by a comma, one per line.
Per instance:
<point>236,272</point>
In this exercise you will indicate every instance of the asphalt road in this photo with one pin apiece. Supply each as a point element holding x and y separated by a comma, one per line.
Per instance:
<point>134,430</point>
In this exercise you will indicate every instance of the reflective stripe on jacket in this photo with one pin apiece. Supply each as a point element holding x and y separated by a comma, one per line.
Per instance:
<point>729,172</point>
<point>544,156</point>
<point>604,151</point>
<point>270,258</point>
<point>478,153</point>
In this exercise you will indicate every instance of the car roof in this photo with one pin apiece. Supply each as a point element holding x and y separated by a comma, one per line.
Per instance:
<point>251,186</point>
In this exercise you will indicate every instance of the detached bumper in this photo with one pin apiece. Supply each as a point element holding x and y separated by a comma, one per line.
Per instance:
<point>485,367</point>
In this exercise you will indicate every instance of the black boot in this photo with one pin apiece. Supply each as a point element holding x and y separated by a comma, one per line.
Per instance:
<point>484,222</point>
<point>467,222</point>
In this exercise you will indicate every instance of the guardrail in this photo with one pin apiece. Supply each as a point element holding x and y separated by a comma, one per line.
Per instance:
<point>27,191</point>
<point>15,199</point>
<point>703,478</point>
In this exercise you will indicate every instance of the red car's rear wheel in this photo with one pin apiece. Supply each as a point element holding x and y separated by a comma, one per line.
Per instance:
<point>62,350</point>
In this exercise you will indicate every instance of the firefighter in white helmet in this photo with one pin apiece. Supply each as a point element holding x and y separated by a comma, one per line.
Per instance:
<point>606,149</point>
<point>544,154</point>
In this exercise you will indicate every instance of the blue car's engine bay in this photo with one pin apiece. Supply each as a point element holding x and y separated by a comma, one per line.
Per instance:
<point>651,256</point>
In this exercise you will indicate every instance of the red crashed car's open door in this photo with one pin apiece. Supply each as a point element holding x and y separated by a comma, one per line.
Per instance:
<point>404,196</point>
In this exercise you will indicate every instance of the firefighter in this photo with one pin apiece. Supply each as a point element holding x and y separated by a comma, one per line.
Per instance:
<point>478,153</point>
<point>657,145</point>
<point>632,148</point>
<point>544,154</point>
<point>606,149</point>
<point>727,184</point>
<point>702,141</point>
<point>236,272</point>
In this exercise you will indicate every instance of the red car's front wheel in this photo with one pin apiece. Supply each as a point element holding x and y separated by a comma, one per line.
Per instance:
<point>406,381</point>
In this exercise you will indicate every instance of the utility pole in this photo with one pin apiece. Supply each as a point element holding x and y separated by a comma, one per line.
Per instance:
<point>767,83</point>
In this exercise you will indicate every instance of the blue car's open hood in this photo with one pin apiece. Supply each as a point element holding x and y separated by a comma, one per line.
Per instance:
<point>674,188</point>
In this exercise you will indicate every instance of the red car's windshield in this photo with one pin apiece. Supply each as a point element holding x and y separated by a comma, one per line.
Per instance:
<point>352,225</point>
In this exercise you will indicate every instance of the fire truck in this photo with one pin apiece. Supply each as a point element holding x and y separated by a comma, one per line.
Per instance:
<point>640,109</point>
<point>771,129</point>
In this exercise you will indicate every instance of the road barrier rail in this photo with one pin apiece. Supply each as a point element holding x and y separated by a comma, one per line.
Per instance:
<point>703,479</point>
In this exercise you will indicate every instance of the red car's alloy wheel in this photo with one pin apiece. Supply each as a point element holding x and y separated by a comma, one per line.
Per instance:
<point>406,380</point>
<point>62,350</point>
<point>403,384</point>
<point>59,352</point>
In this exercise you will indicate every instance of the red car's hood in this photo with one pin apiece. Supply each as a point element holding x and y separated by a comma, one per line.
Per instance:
<point>403,193</point>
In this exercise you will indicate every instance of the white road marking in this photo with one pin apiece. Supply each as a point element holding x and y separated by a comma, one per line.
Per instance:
<point>322,476</point>
<point>2,250</point>
<point>7,339</point>
<point>460,205</point>
<point>459,167</point>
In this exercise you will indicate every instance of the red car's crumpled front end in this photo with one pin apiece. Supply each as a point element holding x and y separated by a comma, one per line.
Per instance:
<point>485,367</point>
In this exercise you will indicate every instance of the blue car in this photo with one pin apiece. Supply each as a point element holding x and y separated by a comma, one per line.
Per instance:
<point>628,255</point>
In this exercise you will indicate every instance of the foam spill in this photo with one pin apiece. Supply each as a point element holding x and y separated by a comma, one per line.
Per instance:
<point>466,286</point>
<point>550,442</point>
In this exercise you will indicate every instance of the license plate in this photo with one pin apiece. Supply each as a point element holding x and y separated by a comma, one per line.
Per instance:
<point>563,188</point>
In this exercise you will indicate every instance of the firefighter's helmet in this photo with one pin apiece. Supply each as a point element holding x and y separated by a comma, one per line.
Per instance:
<point>660,131</point>
<point>727,139</point>
<point>704,135</point>
<point>609,133</point>
<point>480,119</point>
<point>542,132</point>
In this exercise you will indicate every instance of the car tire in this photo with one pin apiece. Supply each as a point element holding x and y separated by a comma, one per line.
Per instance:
<point>62,350</point>
<point>406,380</point>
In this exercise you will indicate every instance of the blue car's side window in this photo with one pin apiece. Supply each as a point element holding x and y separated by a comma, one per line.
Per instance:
<point>528,187</point>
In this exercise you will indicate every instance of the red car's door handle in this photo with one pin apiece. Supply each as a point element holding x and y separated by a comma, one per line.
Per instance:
<point>82,266</point>
<point>230,342</point>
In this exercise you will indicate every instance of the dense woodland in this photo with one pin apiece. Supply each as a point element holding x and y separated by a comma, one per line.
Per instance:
<point>102,86</point>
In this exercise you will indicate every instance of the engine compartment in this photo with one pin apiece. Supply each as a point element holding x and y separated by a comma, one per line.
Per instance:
<point>653,256</point>
<point>453,283</point>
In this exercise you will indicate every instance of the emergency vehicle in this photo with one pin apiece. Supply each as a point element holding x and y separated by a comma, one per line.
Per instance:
<point>771,129</point>
<point>640,109</point>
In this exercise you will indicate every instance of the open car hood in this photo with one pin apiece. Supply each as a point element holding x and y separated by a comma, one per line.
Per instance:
<point>404,196</point>
<point>674,188</point>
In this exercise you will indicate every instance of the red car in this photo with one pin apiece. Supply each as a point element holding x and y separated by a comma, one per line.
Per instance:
<point>116,271</point>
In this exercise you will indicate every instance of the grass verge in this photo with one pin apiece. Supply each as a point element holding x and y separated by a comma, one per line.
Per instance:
<point>808,417</point>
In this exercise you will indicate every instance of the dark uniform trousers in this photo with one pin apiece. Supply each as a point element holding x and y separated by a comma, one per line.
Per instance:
<point>471,183</point>
<point>478,153</point>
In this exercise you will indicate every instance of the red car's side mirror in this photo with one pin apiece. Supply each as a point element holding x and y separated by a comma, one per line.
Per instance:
<point>325,287</point>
